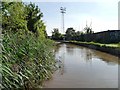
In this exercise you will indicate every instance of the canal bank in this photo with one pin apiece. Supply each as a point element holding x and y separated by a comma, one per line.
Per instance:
<point>111,50</point>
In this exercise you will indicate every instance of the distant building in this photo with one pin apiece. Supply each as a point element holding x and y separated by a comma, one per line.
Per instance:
<point>110,36</point>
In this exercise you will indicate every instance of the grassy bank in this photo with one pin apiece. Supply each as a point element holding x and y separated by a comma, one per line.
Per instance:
<point>113,49</point>
<point>26,61</point>
<point>116,45</point>
<point>27,55</point>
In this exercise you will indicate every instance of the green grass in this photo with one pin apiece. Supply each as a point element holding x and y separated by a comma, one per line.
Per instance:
<point>116,45</point>
<point>113,45</point>
<point>27,61</point>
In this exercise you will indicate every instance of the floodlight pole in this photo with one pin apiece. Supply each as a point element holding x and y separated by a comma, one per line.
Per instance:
<point>63,9</point>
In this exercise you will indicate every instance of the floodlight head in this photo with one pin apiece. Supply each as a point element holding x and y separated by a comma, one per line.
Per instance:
<point>61,8</point>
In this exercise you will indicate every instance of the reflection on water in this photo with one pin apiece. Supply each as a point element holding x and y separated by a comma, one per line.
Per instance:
<point>80,67</point>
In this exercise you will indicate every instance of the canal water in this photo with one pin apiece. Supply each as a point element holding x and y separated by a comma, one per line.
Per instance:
<point>81,67</point>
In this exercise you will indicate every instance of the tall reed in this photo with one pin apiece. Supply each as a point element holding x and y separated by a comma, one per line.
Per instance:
<point>26,60</point>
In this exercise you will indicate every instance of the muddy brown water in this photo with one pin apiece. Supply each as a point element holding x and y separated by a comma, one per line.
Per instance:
<point>82,67</point>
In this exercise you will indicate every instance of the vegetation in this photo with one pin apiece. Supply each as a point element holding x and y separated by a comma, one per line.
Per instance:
<point>119,44</point>
<point>27,55</point>
<point>71,34</point>
<point>56,35</point>
<point>110,38</point>
<point>116,45</point>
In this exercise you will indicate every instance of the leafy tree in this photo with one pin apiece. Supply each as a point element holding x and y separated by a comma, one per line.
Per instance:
<point>34,22</point>
<point>13,16</point>
<point>56,35</point>
<point>18,16</point>
<point>77,35</point>
<point>70,34</point>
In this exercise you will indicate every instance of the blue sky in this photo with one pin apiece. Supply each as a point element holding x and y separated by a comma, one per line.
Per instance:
<point>103,15</point>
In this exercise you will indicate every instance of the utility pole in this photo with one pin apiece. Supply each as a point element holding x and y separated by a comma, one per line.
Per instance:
<point>119,29</point>
<point>63,10</point>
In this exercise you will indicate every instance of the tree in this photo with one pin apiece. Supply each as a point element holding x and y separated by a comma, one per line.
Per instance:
<point>82,37</point>
<point>13,16</point>
<point>34,22</point>
<point>56,35</point>
<point>77,35</point>
<point>18,16</point>
<point>70,34</point>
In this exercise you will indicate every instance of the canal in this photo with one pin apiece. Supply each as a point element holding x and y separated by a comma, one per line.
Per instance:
<point>80,67</point>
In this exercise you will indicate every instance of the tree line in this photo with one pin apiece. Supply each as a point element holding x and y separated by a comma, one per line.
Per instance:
<point>71,34</point>
<point>87,35</point>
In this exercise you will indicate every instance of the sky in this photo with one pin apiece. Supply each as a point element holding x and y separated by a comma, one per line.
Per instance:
<point>102,15</point>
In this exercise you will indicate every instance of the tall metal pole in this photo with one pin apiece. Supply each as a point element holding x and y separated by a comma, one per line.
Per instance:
<point>63,22</point>
<point>63,9</point>
<point>119,15</point>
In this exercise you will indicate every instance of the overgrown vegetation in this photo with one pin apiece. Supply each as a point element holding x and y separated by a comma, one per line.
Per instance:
<point>27,55</point>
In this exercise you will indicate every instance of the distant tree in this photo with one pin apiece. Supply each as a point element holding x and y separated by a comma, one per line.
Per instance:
<point>82,37</point>
<point>70,34</point>
<point>77,35</point>
<point>56,35</point>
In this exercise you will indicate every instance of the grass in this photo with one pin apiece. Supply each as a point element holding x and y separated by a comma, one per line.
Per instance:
<point>116,45</point>
<point>113,45</point>
<point>27,61</point>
